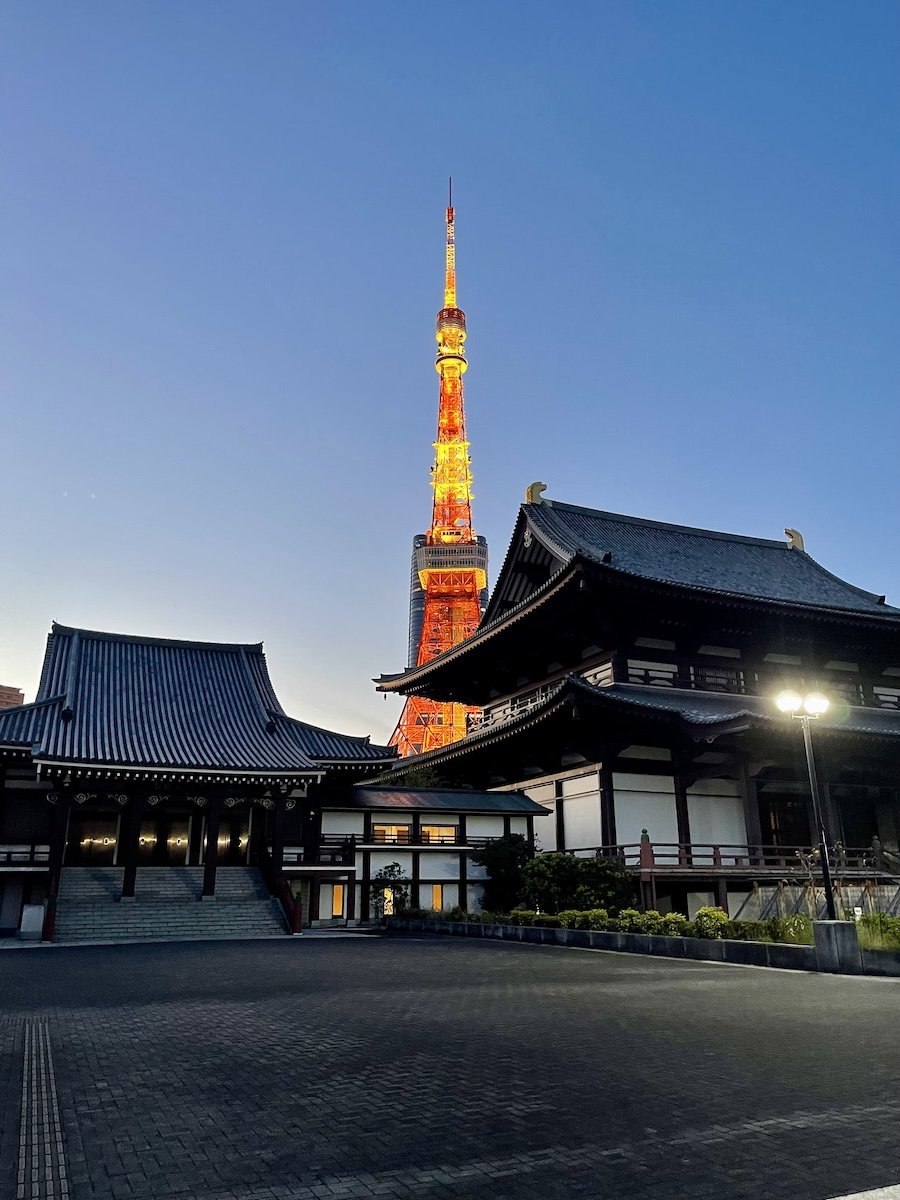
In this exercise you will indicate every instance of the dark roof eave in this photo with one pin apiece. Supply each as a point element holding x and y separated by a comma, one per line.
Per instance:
<point>387,683</point>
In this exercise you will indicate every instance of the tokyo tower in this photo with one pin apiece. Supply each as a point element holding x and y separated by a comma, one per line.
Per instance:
<point>448,584</point>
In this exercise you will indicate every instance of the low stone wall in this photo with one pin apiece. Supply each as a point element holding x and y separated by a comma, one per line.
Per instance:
<point>748,954</point>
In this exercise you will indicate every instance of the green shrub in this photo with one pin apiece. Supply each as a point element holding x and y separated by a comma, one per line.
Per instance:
<point>750,931</point>
<point>710,922</point>
<point>878,931</point>
<point>652,922</point>
<point>796,929</point>
<point>547,921</point>
<point>568,918</point>
<point>630,920</point>
<point>675,925</point>
<point>522,916</point>
<point>594,918</point>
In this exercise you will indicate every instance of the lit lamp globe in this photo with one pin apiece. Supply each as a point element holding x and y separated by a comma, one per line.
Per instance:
<point>815,704</point>
<point>789,701</point>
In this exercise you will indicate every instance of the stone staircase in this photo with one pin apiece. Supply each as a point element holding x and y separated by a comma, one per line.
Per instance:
<point>166,907</point>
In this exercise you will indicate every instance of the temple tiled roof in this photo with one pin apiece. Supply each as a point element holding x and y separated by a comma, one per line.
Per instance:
<point>442,800</point>
<point>708,710</point>
<point>112,700</point>
<point>697,558</point>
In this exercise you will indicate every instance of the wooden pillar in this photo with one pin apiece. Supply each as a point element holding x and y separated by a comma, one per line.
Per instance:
<point>130,835</point>
<point>751,808</point>
<point>211,853</point>
<point>351,897</point>
<point>278,837</point>
<point>560,816</point>
<point>313,898</point>
<point>463,860</point>
<point>195,837</point>
<point>682,816</point>
<point>416,875</point>
<point>529,822</point>
<point>366,887</point>
<point>58,838</point>
<point>607,804</point>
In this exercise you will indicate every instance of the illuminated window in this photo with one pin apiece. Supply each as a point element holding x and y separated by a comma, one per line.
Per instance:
<point>437,896</point>
<point>388,902</point>
<point>391,834</point>
<point>442,835</point>
<point>337,900</point>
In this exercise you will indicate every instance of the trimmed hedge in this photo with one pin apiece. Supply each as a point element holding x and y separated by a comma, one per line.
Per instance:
<point>876,931</point>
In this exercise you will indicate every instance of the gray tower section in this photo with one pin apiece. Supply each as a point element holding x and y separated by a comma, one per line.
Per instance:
<point>451,556</point>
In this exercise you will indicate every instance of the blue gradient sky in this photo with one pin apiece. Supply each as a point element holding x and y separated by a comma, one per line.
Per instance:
<point>221,229</point>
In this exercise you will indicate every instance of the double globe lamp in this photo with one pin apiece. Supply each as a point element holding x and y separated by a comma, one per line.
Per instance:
<point>806,709</point>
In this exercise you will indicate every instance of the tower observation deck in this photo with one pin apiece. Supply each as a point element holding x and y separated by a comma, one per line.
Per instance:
<point>448,580</point>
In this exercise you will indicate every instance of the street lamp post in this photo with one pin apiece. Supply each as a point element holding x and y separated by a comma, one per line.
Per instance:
<point>807,709</point>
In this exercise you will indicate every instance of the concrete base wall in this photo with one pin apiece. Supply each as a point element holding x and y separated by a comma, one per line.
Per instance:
<point>750,954</point>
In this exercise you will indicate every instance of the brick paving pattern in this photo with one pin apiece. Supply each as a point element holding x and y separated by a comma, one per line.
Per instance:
<point>433,1068</point>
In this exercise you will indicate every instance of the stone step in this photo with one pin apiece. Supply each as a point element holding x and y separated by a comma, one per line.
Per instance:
<point>167,905</point>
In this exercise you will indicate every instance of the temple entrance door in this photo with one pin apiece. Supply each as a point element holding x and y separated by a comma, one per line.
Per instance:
<point>234,838</point>
<point>92,839</point>
<point>784,818</point>
<point>164,840</point>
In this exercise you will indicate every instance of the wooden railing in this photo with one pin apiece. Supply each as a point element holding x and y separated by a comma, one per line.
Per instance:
<point>407,838</point>
<point>25,854</point>
<point>700,856</point>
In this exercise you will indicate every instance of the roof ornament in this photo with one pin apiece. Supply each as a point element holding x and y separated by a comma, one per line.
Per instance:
<point>534,491</point>
<point>795,540</point>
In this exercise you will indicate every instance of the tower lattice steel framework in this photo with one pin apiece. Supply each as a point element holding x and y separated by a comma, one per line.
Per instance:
<point>449,561</point>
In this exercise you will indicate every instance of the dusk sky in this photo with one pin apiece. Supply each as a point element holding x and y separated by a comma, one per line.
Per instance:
<point>221,227</point>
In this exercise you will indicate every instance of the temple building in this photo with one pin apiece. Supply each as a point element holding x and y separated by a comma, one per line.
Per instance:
<point>625,674</point>
<point>166,772</point>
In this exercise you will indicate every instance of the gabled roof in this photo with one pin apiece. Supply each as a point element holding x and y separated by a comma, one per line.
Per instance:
<point>440,800</point>
<point>133,702</point>
<point>728,563</point>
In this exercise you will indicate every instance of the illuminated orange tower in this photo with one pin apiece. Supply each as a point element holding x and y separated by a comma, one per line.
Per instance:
<point>449,568</point>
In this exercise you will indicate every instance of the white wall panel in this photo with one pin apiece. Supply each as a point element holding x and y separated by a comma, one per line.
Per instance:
<point>437,866</point>
<point>342,823</point>
<point>644,802</point>
<point>484,825</point>
<point>384,858</point>
<point>581,817</point>
<point>440,818</point>
<point>474,896</point>
<point>518,825</point>
<point>716,814</point>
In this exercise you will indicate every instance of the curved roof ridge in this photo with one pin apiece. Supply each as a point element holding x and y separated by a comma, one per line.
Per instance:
<point>774,543</point>
<point>689,556</point>
<point>100,635</point>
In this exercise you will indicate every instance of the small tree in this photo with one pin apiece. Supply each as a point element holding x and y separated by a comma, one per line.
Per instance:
<point>604,883</point>
<point>550,882</point>
<point>558,881</point>
<point>504,859</point>
<point>389,879</point>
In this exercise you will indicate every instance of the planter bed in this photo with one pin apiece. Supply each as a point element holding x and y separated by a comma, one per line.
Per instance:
<point>752,954</point>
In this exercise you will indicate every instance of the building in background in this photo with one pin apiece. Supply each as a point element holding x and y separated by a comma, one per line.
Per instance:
<point>625,674</point>
<point>167,772</point>
<point>11,697</point>
<point>448,573</point>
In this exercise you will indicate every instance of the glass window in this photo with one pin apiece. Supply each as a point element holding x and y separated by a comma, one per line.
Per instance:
<point>437,896</point>
<point>388,902</point>
<point>441,835</point>
<point>337,900</point>
<point>392,835</point>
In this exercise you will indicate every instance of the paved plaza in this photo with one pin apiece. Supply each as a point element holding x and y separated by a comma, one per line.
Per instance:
<point>414,1067</point>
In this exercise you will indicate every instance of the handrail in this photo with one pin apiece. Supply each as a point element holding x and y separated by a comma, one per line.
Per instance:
<point>280,888</point>
<point>740,856</point>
